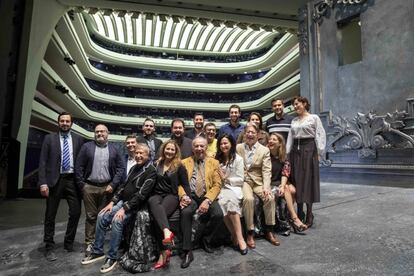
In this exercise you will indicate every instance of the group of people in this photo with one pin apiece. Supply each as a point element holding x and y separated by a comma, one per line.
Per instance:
<point>211,177</point>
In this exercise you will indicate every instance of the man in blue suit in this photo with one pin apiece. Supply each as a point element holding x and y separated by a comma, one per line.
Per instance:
<point>56,181</point>
<point>99,170</point>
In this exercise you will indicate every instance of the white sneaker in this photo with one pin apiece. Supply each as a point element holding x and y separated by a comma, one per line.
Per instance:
<point>92,258</point>
<point>108,266</point>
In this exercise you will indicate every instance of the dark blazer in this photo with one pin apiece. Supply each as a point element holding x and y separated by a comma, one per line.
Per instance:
<point>140,182</point>
<point>51,155</point>
<point>84,164</point>
<point>157,143</point>
<point>191,134</point>
<point>186,146</point>
<point>168,183</point>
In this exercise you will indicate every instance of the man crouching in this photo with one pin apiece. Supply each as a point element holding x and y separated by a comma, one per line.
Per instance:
<point>129,198</point>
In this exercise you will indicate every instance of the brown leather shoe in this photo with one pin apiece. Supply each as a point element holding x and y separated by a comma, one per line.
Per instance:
<point>272,238</point>
<point>250,241</point>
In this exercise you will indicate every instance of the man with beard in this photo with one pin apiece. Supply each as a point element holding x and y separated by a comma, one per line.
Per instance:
<point>198,121</point>
<point>99,170</point>
<point>148,130</point>
<point>234,127</point>
<point>56,181</point>
<point>177,134</point>
<point>280,122</point>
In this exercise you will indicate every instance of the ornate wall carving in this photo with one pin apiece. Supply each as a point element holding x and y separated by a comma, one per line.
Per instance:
<point>366,133</point>
<point>325,8</point>
<point>303,31</point>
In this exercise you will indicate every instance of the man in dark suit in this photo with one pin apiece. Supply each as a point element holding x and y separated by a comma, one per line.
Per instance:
<point>177,134</point>
<point>148,130</point>
<point>99,170</point>
<point>56,180</point>
<point>198,122</point>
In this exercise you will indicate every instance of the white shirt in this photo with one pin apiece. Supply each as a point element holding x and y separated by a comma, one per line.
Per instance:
<point>308,127</point>
<point>249,154</point>
<point>131,162</point>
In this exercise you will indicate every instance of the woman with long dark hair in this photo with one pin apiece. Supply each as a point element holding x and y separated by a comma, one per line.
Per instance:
<point>170,174</point>
<point>263,136</point>
<point>231,195</point>
<point>280,176</point>
<point>306,142</point>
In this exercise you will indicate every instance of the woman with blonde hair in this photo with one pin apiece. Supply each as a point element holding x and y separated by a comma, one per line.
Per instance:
<point>164,201</point>
<point>280,176</point>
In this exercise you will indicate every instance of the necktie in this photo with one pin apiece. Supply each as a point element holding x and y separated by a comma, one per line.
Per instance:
<point>66,154</point>
<point>199,188</point>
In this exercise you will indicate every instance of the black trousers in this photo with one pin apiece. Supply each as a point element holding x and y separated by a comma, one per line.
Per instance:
<point>209,222</point>
<point>162,207</point>
<point>65,188</point>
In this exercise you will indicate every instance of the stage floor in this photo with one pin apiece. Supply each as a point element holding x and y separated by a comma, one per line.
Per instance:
<point>358,230</point>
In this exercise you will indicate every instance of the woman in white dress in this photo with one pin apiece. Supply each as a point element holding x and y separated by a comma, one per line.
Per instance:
<point>306,143</point>
<point>231,195</point>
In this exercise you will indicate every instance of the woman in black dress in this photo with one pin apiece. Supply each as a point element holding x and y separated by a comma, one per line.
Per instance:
<point>280,176</point>
<point>162,204</point>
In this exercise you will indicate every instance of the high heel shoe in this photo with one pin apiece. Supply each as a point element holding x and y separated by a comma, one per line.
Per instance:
<point>301,216</point>
<point>296,228</point>
<point>169,240</point>
<point>243,251</point>
<point>165,262</point>
<point>309,220</point>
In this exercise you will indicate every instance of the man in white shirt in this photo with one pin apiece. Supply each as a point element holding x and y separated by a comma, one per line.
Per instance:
<point>130,143</point>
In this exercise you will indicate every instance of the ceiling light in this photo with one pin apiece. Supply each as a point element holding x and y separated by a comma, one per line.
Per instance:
<point>203,21</point>
<point>149,16</point>
<point>92,10</point>
<point>163,17</point>
<point>229,24</point>
<point>216,23</point>
<point>121,13</point>
<point>267,28</point>
<point>175,19</point>
<point>135,15</point>
<point>106,12</point>
<point>189,20</point>
<point>255,27</point>
<point>242,26</point>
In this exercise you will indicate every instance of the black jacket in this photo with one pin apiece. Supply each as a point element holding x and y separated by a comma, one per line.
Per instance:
<point>157,143</point>
<point>167,183</point>
<point>138,187</point>
<point>51,155</point>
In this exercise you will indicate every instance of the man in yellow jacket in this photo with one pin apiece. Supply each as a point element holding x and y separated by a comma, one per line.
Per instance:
<point>205,184</point>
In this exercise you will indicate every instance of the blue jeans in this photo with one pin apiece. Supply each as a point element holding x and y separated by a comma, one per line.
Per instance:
<point>102,225</point>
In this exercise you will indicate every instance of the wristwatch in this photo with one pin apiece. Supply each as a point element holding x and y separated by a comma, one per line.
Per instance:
<point>208,201</point>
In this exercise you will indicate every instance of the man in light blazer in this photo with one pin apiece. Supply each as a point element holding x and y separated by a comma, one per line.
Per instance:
<point>56,181</point>
<point>205,184</point>
<point>257,178</point>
